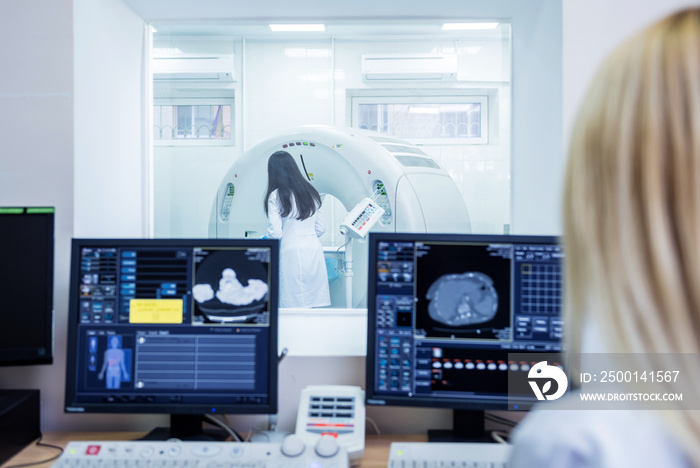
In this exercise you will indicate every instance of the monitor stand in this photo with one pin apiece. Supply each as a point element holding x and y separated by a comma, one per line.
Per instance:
<point>185,427</point>
<point>467,426</point>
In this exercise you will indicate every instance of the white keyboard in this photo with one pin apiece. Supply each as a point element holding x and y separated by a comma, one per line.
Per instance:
<point>448,455</point>
<point>291,453</point>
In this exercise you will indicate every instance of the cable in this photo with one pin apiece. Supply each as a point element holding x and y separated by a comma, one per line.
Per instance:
<point>216,422</point>
<point>226,420</point>
<point>282,355</point>
<point>272,422</point>
<point>498,437</point>
<point>340,258</point>
<point>500,420</point>
<point>376,428</point>
<point>40,444</point>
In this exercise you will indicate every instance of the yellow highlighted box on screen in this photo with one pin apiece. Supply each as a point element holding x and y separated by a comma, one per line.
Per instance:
<point>155,311</point>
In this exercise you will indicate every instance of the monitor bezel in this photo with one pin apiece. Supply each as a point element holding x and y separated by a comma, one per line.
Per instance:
<point>71,406</point>
<point>371,397</point>
<point>29,356</point>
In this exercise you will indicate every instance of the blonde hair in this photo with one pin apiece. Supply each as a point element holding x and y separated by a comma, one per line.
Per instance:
<point>632,206</point>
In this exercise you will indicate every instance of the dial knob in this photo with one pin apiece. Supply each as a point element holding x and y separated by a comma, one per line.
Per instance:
<point>327,446</point>
<point>292,446</point>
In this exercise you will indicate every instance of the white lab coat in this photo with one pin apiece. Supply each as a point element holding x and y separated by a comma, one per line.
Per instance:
<point>580,438</point>
<point>303,276</point>
<point>565,433</point>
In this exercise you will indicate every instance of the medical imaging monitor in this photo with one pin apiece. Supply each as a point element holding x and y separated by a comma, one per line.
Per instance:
<point>446,310</point>
<point>183,327</point>
<point>26,285</point>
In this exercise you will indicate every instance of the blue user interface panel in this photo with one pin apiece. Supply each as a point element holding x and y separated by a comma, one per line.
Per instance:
<point>172,325</point>
<point>448,312</point>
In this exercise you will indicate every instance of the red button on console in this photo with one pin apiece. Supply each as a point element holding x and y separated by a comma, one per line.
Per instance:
<point>92,450</point>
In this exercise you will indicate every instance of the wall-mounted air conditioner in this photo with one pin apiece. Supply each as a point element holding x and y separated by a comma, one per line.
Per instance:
<point>409,67</point>
<point>212,68</point>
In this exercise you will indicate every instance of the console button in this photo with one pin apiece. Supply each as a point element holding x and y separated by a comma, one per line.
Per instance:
<point>327,446</point>
<point>292,446</point>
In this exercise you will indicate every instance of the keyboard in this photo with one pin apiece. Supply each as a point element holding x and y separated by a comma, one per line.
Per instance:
<point>175,454</point>
<point>448,455</point>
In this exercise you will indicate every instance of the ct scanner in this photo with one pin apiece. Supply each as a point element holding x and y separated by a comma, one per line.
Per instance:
<point>417,195</point>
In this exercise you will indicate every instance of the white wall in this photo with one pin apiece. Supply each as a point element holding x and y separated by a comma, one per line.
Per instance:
<point>36,154</point>
<point>536,160</point>
<point>108,162</point>
<point>109,185</point>
<point>592,29</point>
<point>71,138</point>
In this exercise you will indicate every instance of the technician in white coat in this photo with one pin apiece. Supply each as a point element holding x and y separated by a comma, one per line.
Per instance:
<point>293,208</point>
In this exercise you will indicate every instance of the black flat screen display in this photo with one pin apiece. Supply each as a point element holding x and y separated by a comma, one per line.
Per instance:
<point>445,311</point>
<point>173,326</point>
<point>26,285</point>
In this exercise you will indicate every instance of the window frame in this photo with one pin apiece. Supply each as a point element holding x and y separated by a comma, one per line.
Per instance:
<point>197,101</point>
<point>413,96</point>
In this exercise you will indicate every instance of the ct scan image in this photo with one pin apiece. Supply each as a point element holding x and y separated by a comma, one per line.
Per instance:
<point>462,299</point>
<point>462,293</point>
<point>230,288</point>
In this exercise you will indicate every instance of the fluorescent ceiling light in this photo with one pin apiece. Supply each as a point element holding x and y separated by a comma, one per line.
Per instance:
<point>467,26</point>
<point>298,27</point>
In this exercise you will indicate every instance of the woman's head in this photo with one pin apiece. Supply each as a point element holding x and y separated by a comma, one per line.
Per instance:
<point>284,176</point>
<point>633,189</point>
<point>281,168</point>
<point>632,198</point>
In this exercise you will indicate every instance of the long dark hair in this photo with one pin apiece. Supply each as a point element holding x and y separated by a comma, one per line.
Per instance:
<point>284,176</point>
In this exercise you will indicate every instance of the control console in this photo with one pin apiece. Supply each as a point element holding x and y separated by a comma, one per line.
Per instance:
<point>325,453</point>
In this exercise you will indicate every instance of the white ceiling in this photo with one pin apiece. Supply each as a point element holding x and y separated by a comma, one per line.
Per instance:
<point>261,30</point>
<point>250,18</point>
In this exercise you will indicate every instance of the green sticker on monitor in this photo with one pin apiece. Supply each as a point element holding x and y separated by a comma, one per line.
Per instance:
<point>11,210</point>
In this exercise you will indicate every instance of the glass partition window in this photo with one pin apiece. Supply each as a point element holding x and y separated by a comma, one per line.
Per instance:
<point>194,121</point>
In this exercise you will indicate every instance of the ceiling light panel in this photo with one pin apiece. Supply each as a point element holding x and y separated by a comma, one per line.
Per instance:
<point>298,27</point>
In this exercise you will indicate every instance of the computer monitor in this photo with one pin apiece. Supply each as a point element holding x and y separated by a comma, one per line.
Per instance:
<point>26,285</point>
<point>445,311</point>
<point>175,326</point>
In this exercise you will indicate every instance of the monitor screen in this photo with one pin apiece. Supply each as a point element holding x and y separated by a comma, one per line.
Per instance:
<point>446,310</point>
<point>185,327</point>
<point>26,285</point>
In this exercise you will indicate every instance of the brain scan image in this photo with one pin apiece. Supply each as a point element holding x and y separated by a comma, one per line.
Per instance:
<point>464,299</point>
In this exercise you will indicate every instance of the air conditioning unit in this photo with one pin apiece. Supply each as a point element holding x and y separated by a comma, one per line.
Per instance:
<point>212,68</point>
<point>409,67</point>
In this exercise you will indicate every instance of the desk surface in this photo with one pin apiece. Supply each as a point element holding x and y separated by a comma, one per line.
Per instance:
<point>376,446</point>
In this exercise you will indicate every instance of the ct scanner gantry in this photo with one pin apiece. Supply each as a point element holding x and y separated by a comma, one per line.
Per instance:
<point>351,164</point>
